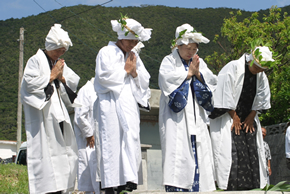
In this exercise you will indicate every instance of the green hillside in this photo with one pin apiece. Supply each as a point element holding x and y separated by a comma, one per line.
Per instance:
<point>90,29</point>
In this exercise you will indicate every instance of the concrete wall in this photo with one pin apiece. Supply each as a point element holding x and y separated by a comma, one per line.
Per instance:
<point>276,140</point>
<point>150,135</point>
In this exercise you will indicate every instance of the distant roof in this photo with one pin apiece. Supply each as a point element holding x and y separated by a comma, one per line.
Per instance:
<point>8,142</point>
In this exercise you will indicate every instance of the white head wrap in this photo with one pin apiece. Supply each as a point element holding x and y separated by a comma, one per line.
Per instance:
<point>265,53</point>
<point>137,48</point>
<point>144,34</point>
<point>190,35</point>
<point>57,38</point>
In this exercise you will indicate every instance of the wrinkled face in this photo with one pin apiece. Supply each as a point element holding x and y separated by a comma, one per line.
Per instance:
<point>187,51</point>
<point>264,132</point>
<point>127,45</point>
<point>254,69</point>
<point>55,54</point>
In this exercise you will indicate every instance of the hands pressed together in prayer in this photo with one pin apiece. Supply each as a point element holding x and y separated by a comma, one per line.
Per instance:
<point>130,66</point>
<point>247,124</point>
<point>194,68</point>
<point>91,142</point>
<point>57,71</point>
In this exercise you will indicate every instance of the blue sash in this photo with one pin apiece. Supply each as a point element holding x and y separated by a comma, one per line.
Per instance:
<point>202,93</point>
<point>178,98</point>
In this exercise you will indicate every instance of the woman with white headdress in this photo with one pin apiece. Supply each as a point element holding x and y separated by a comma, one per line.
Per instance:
<point>186,86</point>
<point>122,84</point>
<point>242,91</point>
<point>47,88</point>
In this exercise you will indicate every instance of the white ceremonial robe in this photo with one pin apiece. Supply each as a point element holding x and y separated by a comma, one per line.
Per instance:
<point>119,116</point>
<point>227,95</point>
<point>85,126</point>
<point>287,142</point>
<point>176,129</point>
<point>51,156</point>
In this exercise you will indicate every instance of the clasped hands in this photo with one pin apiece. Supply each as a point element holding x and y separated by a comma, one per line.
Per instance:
<point>91,142</point>
<point>130,66</point>
<point>193,68</point>
<point>247,124</point>
<point>57,71</point>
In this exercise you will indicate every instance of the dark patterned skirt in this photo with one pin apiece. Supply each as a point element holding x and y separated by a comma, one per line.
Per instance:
<point>195,186</point>
<point>244,174</point>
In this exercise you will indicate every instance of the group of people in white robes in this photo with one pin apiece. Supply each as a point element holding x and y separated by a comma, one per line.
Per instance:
<point>103,150</point>
<point>209,126</point>
<point>105,144</point>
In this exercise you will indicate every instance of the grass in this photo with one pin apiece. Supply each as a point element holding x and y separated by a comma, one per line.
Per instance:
<point>13,179</point>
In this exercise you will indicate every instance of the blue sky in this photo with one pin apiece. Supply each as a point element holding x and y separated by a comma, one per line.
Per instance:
<point>24,8</point>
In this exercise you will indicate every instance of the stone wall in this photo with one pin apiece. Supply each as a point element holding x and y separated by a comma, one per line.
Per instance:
<point>276,140</point>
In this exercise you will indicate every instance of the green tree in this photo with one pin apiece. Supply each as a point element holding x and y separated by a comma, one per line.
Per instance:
<point>273,29</point>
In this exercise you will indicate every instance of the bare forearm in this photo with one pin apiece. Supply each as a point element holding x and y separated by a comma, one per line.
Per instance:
<point>232,113</point>
<point>198,76</point>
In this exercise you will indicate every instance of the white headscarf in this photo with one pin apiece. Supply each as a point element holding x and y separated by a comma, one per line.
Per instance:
<point>57,38</point>
<point>265,53</point>
<point>190,35</point>
<point>144,34</point>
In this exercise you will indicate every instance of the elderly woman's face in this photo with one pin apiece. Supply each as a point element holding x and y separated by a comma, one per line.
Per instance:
<point>254,69</point>
<point>126,45</point>
<point>187,51</point>
<point>55,54</point>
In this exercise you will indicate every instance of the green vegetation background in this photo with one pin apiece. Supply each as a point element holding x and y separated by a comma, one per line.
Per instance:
<point>90,29</point>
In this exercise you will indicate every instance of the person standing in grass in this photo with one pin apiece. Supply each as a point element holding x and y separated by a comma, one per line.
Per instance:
<point>47,89</point>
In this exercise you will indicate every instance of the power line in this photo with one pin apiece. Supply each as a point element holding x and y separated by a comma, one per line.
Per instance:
<point>76,14</point>
<point>68,29</point>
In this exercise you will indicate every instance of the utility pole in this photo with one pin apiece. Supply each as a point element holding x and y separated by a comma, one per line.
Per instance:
<point>19,107</point>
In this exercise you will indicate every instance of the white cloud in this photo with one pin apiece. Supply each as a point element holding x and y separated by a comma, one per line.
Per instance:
<point>282,3</point>
<point>18,4</point>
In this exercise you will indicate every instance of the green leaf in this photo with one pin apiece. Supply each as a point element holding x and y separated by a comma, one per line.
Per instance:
<point>181,33</point>
<point>251,64</point>
<point>281,186</point>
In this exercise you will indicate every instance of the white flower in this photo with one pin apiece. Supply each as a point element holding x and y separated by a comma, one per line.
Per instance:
<point>189,36</point>
<point>266,53</point>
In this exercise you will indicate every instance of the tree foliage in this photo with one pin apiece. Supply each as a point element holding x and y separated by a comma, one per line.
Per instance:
<point>273,29</point>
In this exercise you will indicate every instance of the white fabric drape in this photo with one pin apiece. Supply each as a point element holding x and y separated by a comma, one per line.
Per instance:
<point>176,128</point>
<point>226,95</point>
<point>51,156</point>
<point>118,115</point>
<point>85,126</point>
